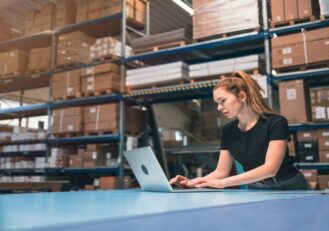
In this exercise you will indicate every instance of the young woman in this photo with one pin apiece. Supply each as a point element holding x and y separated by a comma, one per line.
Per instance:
<point>257,139</point>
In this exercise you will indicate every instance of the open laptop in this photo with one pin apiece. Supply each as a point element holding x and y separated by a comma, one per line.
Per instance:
<point>150,175</point>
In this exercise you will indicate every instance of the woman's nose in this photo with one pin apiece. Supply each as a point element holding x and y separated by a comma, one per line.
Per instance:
<point>219,107</point>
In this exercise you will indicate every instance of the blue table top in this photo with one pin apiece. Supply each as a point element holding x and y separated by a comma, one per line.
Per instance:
<point>70,209</point>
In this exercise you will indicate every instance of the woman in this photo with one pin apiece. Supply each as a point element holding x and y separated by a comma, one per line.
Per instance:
<point>257,139</point>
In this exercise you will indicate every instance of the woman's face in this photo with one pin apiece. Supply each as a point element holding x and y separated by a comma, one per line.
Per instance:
<point>228,103</point>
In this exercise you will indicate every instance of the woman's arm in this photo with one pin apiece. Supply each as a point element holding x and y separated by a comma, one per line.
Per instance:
<point>274,156</point>
<point>224,166</point>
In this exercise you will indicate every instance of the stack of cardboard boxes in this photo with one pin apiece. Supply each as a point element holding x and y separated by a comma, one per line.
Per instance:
<point>88,10</point>
<point>97,119</point>
<point>68,120</point>
<point>5,30</point>
<point>39,59</point>
<point>39,21</point>
<point>224,17</point>
<point>66,84</point>
<point>320,103</point>
<point>285,10</point>
<point>65,13</point>
<point>294,101</point>
<point>13,62</point>
<point>301,49</point>
<point>105,118</point>
<point>100,78</point>
<point>73,48</point>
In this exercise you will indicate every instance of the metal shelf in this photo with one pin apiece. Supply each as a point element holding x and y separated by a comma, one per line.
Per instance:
<point>100,27</point>
<point>86,101</point>
<point>22,171</point>
<point>24,111</point>
<point>239,45</point>
<point>308,75</point>
<point>18,142</point>
<point>41,153</point>
<point>96,170</point>
<point>317,166</point>
<point>172,93</point>
<point>309,126</point>
<point>24,82</point>
<point>193,150</point>
<point>27,42</point>
<point>298,27</point>
<point>85,139</point>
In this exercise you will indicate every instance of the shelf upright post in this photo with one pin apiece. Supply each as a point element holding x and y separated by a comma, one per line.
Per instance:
<point>50,92</point>
<point>21,96</point>
<point>122,88</point>
<point>148,18</point>
<point>268,66</point>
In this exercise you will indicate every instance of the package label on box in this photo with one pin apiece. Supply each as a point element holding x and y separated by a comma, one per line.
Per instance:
<point>320,113</point>
<point>291,94</point>
<point>286,50</point>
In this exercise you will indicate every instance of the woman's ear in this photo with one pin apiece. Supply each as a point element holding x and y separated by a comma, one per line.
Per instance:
<point>243,96</point>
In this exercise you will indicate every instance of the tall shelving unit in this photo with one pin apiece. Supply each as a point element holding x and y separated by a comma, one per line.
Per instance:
<point>115,24</point>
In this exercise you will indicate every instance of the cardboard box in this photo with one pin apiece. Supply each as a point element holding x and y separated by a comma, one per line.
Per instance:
<point>65,13</point>
<point>100,83</point>
<point>108,182</point>
<point>324,156</point>
<point>304,8</point>
<point>323,181</point>
<point>68,120</point>
<point>318,51</point>
<point>310,175</point>
<point>311,135</point>
<point>324,144</point>
<point>40,59</point>
<point>277,8</point>
<point>66,84</point>
<point>294,101</point>
<point>13,62</point>
<point>290,9</point>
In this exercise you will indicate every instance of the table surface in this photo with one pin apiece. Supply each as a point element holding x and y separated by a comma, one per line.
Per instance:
<point>88,210</point>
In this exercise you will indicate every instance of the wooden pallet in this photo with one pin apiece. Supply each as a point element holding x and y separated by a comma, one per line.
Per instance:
<point>157,85</point>
<point>160,47</point>
<point>67,134</point>
<point>226,35</point>
<point>106,58</point>
<point>66,97</point>
<point>11,75</point>
<point>324,17</point>
<point>303,67</point>
<point>38,71</point>
<point>101,132</point>
<point>100,92</point>
<point>68,65</point>
<point>292,22</point>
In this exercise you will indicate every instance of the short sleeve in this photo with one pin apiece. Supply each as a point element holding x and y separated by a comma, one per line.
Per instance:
<point>279,129</point>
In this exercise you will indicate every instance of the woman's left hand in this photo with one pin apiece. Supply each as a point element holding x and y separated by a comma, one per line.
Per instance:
<point>208,182</point>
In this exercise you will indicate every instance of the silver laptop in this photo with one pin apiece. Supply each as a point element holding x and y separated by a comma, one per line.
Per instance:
<point>150,175</point>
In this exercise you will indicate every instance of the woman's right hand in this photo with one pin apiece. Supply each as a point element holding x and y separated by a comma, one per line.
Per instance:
<point>180,181</point>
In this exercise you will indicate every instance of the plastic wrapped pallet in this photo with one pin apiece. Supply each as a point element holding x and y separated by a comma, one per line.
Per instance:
<point>159,74</point>
<point>107,48</point>
<point>213,17</point>
<point>215,68</point>
<point>324,7</point>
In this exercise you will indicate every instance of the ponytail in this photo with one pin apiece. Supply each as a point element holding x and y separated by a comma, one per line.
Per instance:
<point>240,81</point>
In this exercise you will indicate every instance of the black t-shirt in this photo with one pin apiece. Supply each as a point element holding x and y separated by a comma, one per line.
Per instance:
<point>249,147</point>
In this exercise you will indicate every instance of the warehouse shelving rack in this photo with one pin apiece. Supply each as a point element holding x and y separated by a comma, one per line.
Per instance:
<point>112,24</point>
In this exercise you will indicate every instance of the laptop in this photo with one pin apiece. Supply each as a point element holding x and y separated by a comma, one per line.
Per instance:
<point>150,175</point>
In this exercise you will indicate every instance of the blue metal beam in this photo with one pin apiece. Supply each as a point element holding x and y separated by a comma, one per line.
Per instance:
<point>41,153</point>
<point>317,166</point>
<point>99,170</point>
<point>87,101</point>
<point>311,126</point>
<point>238,42</point>
<point>323,72</point>
<point>85,139</point>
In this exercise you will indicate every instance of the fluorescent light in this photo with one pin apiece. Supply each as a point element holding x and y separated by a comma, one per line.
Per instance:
<point>184,6</point>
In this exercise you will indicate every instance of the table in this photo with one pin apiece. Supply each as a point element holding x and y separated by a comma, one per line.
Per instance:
<point>137,210</point>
